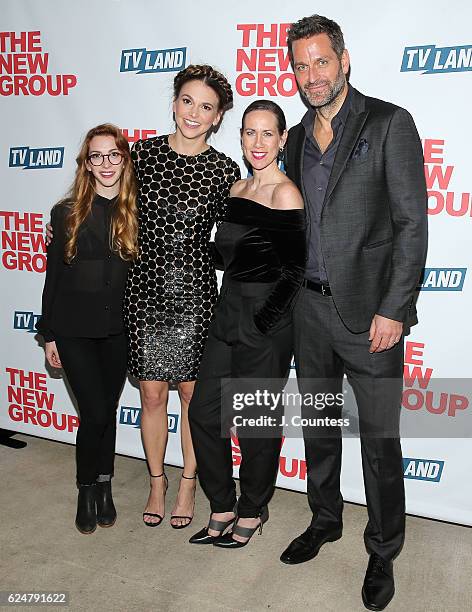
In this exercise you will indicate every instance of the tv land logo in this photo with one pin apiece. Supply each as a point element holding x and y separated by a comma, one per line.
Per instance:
<point>262,61</point>
<point>142,61</point>
<point>430,59</point>
<point>130,415</point>
<point>417,379</point>
<point>24,67</point>
<point>22,243</point>
<point>30,402</point>
<point>25,320</point>
<point>423,469</point>
<point>37,158</point>
<point>441,199</point>
<point>443,279</point>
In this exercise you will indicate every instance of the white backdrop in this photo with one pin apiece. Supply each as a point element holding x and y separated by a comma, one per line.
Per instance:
<point>67,66</point>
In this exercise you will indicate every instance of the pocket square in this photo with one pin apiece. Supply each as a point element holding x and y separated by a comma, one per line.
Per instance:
<point>361,149</point>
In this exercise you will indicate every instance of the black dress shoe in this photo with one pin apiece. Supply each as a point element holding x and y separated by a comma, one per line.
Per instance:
<point>308,544</point>
<point>86,518</point>
<point>106,511</point>
<point>379,586</point>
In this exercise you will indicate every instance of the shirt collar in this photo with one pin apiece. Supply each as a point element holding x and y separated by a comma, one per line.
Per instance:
<point>102,201</point>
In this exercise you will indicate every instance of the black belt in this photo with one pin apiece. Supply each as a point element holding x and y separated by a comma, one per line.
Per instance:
<point>319,288</point>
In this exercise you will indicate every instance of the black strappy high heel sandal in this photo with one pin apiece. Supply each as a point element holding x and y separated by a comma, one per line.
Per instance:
<point>227,541</point>
<point>188,518</point>
<point>159,516</point>
<point>203,537</point>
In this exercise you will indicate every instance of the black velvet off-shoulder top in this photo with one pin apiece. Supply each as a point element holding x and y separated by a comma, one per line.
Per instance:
<point>264,245</point>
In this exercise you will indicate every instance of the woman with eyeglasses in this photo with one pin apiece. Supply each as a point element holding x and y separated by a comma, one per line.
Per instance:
<point>95,239</point>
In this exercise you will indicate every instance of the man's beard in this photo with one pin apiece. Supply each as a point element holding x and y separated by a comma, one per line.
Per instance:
<point>334,90</point>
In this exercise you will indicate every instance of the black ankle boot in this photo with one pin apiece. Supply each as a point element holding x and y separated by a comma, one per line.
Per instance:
<point>106,512</point>
<point>86,518</point>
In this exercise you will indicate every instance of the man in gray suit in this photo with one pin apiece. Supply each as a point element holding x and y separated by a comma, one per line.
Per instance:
<point>358,162</point>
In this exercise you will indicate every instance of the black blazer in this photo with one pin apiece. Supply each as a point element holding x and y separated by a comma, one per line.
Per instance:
<point>84,298</point>
<point>373,224</point>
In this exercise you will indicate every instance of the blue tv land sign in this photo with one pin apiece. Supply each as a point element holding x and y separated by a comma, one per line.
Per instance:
<point>39,158</point>
<point>423,469</point>
<point>443,279</point>
<point>142,61</point>
<point>430,59</point>
<point>25,320</point>
<point>130,415</point>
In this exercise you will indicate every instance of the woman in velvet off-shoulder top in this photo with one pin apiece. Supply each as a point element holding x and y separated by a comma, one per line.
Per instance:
<point>262,246</point>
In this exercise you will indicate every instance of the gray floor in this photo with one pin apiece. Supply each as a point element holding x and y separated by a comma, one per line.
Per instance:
<point>132,567</point>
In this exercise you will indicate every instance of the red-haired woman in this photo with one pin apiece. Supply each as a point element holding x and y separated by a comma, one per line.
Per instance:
<point>95,238</point>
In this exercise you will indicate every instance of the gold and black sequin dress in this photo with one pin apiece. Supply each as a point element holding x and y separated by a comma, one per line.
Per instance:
<point>171,288</point>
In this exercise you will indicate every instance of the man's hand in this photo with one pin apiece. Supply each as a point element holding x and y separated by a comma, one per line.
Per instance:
<point>384,333</point>
<point>49,234</point>
<point>52,355</point>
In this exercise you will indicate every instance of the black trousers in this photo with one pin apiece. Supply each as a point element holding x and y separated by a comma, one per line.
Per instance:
<point>326,349</point>
<point>236,349</point>
<point>96,370</point>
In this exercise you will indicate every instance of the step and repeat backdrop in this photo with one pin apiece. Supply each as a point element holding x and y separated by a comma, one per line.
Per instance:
<point>67,66</point>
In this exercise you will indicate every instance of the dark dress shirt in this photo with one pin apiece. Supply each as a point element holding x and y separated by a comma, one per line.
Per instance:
<point>317,168</point>
<point>83,298</point>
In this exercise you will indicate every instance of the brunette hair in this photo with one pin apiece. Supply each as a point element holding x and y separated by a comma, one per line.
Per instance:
<point>211,77</point>
<point>316,24</point>
<point>124,223</point>
<point>272,107</point>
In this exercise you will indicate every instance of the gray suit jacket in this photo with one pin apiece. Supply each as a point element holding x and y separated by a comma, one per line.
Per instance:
<point>374,219</point>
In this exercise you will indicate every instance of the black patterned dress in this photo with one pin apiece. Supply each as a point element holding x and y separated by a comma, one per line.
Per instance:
<point>171,288</point>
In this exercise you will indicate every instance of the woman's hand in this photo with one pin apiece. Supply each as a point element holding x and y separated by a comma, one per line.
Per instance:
<point>52,355</point>
<point>49,234</point>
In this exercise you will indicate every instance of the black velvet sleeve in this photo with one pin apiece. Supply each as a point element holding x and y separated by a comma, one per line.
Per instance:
<point>55,265</point>
<point>290,246</point>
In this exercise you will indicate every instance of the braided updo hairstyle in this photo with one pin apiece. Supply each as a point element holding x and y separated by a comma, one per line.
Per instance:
<point>211,77</point>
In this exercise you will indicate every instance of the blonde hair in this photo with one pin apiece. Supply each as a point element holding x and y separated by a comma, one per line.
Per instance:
<point>124,223</point>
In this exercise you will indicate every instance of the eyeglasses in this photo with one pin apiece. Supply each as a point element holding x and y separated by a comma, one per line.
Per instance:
<point>97,159</point>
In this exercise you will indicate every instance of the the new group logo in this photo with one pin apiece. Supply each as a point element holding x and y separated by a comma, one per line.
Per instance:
<point>423,469</point>
<point>442,197</point>
<point>423,393</point>
<point>144,61</point>
<point>430,59</point>
<point>443,279</point>
<point>135,134</point>
<point>25,320</point>
<point>30,402</point>
<point>22,243</point>
<point>130,415</point>
<point>24,67</point>
<point>36,158</point>
<point>262,61</point>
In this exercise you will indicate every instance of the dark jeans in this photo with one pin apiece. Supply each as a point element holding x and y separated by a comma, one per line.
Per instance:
<point>236,349</point>
<point>96,370</point>
<point>326,349</point>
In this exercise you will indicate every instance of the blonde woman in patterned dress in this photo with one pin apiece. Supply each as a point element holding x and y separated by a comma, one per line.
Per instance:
<point>183,184</point>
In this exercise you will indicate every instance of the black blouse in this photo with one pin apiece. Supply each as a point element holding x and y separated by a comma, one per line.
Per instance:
<point>264,245</point>
<point>84,298</point>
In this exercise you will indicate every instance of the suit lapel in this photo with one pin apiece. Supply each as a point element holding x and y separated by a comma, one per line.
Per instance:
<point>352,129</point>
